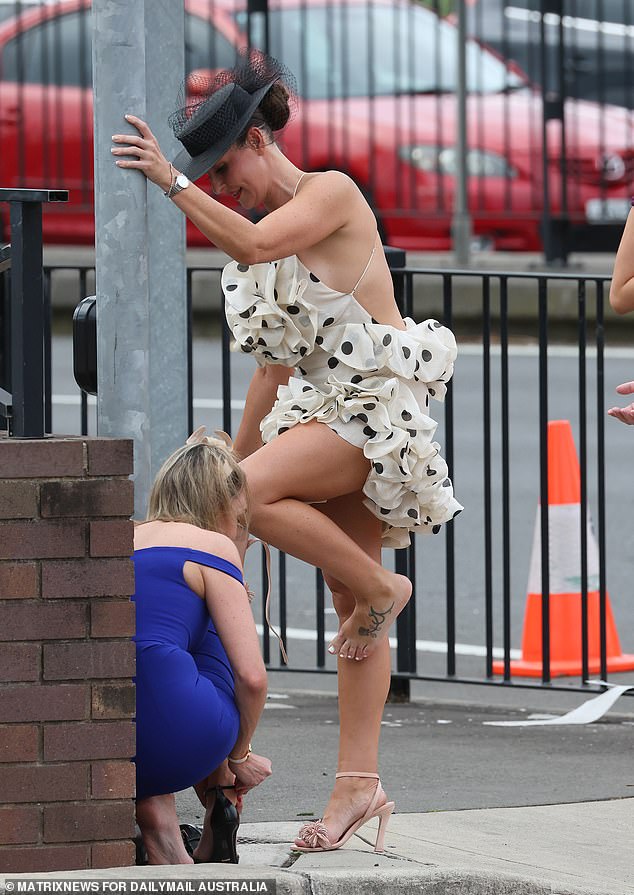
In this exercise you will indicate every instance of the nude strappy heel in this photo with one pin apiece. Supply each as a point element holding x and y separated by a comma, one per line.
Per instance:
<point>315,834</point>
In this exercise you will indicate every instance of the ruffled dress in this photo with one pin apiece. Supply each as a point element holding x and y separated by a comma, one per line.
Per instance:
<point>369,382</point>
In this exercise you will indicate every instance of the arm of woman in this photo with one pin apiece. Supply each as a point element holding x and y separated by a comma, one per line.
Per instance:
<point>229,608</point>
<point>314,214</point>
<point>622,288</point>
<point>260,398</point>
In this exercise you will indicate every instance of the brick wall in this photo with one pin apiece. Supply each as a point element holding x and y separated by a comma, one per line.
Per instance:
<point>66,658</point>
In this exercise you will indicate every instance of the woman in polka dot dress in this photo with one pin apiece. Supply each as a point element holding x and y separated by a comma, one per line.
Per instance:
<point>336,438</point>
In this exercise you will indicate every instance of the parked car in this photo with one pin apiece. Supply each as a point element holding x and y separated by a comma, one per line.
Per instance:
<point>377,80</point>
<point>597,43</point>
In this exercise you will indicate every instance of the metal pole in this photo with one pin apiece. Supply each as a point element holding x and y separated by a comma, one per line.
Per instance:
<point>140,278</point>
<point>27,317</point>
<point>461,226</point>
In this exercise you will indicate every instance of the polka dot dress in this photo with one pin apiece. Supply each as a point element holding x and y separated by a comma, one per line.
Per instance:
<point>369,382</point>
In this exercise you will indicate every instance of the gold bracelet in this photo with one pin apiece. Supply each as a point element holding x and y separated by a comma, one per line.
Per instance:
<point>243,759</point>
<point>172,182</point>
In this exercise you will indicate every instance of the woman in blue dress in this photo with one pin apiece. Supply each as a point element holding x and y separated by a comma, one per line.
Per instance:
<point>336,437</point>
<point>200,679</point>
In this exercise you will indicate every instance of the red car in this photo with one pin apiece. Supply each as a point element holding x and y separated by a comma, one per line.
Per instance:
<point>377,85</point>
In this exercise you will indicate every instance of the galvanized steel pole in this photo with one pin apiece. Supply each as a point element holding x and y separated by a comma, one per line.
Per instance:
<point>461,223</point>
<point>140,259</point>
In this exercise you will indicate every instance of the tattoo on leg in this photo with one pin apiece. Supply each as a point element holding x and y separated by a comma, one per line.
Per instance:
<point>377,620</point>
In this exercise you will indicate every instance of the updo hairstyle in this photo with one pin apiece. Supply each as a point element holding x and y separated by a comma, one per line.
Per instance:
<point>272,114</point>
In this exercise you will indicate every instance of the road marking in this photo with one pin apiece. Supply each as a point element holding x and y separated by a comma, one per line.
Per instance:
<point>199,403</point>
<point>422,646</point>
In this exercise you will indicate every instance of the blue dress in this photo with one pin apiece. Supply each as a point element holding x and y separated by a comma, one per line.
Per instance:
<point>186,718</point>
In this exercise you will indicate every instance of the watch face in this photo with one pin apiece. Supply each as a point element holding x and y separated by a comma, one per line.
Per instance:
<point>182,181</point>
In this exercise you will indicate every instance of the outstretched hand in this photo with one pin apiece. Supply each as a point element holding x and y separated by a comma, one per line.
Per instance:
<point>148,157</point>
<point>625,414</point>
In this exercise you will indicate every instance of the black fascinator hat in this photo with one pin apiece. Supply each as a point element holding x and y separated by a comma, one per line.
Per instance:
<point>214,111</point>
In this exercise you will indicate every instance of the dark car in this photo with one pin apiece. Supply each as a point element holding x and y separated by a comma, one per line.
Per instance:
<point>597,39</point>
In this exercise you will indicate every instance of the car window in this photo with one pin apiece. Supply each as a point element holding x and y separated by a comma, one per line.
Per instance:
<point>59,51</point>
<point>367,50</point>
<point>619,11</point>
<point>205,46</point>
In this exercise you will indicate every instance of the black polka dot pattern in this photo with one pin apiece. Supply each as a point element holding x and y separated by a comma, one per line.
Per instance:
<point>352,360</point>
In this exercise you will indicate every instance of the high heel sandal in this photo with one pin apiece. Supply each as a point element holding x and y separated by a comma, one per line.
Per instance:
<point>315,834</point>
<point>224,822</point>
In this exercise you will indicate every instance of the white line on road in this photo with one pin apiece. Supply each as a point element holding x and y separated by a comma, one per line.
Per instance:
<point>422,646</point>
<point>199,403</point>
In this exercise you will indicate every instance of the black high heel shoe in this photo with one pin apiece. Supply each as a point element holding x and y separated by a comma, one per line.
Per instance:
<point>224,821</point>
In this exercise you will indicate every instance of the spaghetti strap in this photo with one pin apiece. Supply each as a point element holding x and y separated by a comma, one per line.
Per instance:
<point>301,176</point>
<point>365,269</point>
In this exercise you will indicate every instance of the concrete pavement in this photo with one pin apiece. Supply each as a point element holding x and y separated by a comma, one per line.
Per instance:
<point>481,810</point>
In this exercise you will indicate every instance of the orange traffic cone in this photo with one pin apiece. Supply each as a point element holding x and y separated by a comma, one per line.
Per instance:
<point>564,495</point>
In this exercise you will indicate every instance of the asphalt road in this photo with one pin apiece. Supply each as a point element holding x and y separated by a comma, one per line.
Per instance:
<point>437,757</point>
<point>468,479</point>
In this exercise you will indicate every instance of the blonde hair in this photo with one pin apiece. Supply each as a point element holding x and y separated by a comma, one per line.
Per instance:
<point>197,484</point>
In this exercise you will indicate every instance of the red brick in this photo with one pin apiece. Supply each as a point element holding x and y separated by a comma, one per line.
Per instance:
<point>36,859</point>
<point>89,497</point>
<point>112,618</point>
<point>88,578</point>
<point>82,660</point>
<point>19,824</point>
<point>18,500</point>
<point>113,701</point>
<point>34,702</point>
<point>45,783</point>
<point>19,742</point>
<point>39,620</point>
<point>19,661</point>
<point>112,538</point>
<point>108,456</point>
<point>113,780</point>
<point>80,823</point>
<point>93,740</point>
<point>19,580</point>
<point>113,854</point>
<point>45,458</point>
<point>41,540</point>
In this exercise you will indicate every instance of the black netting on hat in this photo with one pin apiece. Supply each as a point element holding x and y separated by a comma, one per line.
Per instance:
<point>213,108</point>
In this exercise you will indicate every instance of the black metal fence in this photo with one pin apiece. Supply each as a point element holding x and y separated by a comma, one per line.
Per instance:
<point>550,158</point>
<point>472,604</point>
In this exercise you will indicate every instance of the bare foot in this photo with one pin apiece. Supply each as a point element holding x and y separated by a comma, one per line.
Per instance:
<point>360,634</point>
<point>349,801</point>
<point>161,833</point>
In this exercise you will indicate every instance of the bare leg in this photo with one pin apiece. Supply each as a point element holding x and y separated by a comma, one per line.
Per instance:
<point>311,463</point>
<point>158,822</point>
<point>363,687</point>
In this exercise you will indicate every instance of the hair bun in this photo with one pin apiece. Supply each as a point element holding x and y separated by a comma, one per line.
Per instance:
<point>275,107</point>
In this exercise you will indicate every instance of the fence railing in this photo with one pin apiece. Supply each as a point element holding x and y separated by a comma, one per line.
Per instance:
<point>512,377</point>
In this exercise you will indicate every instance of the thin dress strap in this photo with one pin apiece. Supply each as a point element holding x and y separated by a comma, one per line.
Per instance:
<point>365,269</point>
<point>303,174</point>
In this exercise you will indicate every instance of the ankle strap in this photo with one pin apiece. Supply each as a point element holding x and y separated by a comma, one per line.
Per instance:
<point>355,774</point>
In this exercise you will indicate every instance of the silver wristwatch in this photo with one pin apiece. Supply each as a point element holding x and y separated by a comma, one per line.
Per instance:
<point>181,182</point>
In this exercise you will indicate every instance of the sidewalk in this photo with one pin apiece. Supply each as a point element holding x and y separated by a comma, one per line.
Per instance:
<point>481,810</point>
